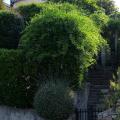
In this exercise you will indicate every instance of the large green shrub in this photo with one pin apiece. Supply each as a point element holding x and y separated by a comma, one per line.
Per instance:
<point>54,101</point>
<point>17,88</point>
<point>63,44</point>
<point>10,28</point>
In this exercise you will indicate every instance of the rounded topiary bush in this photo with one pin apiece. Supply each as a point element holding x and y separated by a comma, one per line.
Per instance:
<point>12,90</point>
<point>54,101</point>
<point>10,29</point>
<point>62,43</point>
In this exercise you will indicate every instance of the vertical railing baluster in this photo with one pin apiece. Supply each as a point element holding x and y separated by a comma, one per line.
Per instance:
<point>80,114</point>
<point>76,114</point>
<point>87,114</point>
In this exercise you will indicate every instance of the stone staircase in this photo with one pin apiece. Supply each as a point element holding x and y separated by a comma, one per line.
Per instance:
<point>99,80</point>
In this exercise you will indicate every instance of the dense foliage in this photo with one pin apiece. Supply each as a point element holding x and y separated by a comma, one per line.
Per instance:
<point>101,19</point>
<point>107,5</point>
<point>112,33</point>
<point>16,86</point>
<point>10,28</point>
<point>54,101</point>
<point>59,42</point>
<point>90,6</point>
<point>27,11</point>
<point>1,4</point>
<point>114,92</point>
<point>55,39</point>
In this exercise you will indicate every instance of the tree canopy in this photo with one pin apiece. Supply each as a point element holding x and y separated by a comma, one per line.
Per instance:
<point>107,5</point>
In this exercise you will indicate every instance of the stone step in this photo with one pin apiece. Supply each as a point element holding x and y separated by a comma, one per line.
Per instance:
<point>99,76</point>
<point>98,81</point>
<point>97,101</point>
<point>100,73</point>
<point>101,79</point>
<point>95,83</point>
<point>99,86</point>
<point>92,102</point>
<point>105,91</point>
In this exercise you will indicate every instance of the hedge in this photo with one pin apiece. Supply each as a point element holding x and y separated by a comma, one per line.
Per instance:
<point>10,29</point>
<point>17,87</point>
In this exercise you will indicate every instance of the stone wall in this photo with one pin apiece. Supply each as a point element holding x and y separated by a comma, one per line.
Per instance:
<point>7,113</point>
<point>106,115</point>
<point>81,98</point>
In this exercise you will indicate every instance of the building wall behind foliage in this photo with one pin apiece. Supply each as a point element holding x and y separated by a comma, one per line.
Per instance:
<point>26,1</point>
